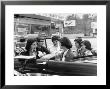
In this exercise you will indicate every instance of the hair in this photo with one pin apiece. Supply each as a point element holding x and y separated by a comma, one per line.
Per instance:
<point>54,38</point>
<point>22,40</point>
<point>28,44</point>
<point>87,44</point>
<point>66,42</point>
<point>39,39</point>
<point>78,40</point>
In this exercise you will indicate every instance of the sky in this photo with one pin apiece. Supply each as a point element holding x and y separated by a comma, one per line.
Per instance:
<point>61,15</point>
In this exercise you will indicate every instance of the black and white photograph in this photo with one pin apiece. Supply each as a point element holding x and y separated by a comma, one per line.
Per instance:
<point>51,44</point>
<point>55,44</point>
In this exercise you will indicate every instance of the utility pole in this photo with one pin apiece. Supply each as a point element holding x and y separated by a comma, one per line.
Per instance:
<point>85,19</point>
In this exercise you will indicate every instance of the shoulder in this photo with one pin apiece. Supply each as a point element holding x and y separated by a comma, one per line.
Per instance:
<point>42,48</point>
<point>69,56</point>
<point>70,53</point>
<point>94,52</point>
<point>45,49</point>
<point>88,52</point>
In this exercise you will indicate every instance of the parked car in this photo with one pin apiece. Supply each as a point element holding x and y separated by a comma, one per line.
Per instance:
<point>84,66</point>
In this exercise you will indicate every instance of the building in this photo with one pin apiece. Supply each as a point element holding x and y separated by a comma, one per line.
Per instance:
<point>31,24</point>
<point>36,24</point>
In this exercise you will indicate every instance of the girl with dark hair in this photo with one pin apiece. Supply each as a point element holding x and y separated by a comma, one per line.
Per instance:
<point>30,47</point>
<point>30,50</point>
<point>78,42</point>
<point>66,45</point>
<point>86,48</point>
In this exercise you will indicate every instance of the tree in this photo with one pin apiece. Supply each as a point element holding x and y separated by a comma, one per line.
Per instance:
<point>85,20</point>
<point>71,17</point>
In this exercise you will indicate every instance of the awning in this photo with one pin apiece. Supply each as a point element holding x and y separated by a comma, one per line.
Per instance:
<point>33,19</point>
<point>33,16</point>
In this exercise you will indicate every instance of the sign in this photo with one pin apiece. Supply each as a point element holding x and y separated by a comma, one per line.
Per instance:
<point>94,25</point>
<point>69,23</point>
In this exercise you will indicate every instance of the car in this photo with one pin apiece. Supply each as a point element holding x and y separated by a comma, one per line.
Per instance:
<point>78,68</point>
<point>83,66</point>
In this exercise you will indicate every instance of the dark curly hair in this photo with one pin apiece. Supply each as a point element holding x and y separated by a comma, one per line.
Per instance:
<point>28,45</point>
<point>54,38</point>
<point>66,42</point>
<point>87,44</point>
<point>39,39</point>
<point>78,40</point>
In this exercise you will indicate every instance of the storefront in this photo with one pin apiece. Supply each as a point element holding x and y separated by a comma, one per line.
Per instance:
<point>31,24</point>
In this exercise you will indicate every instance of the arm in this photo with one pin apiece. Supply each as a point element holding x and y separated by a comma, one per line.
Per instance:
<point>45,50</point>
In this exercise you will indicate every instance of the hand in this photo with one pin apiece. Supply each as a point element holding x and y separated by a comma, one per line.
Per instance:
<point>75,54</point>
<point>40,54</point>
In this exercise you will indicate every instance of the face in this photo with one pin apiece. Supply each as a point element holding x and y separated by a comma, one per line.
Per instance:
<point>77,45</point>
<point>83,47</point>
<point>63,47</point>
<point>55,42</point>
<point>33,46</point>
<point>41,43</point>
